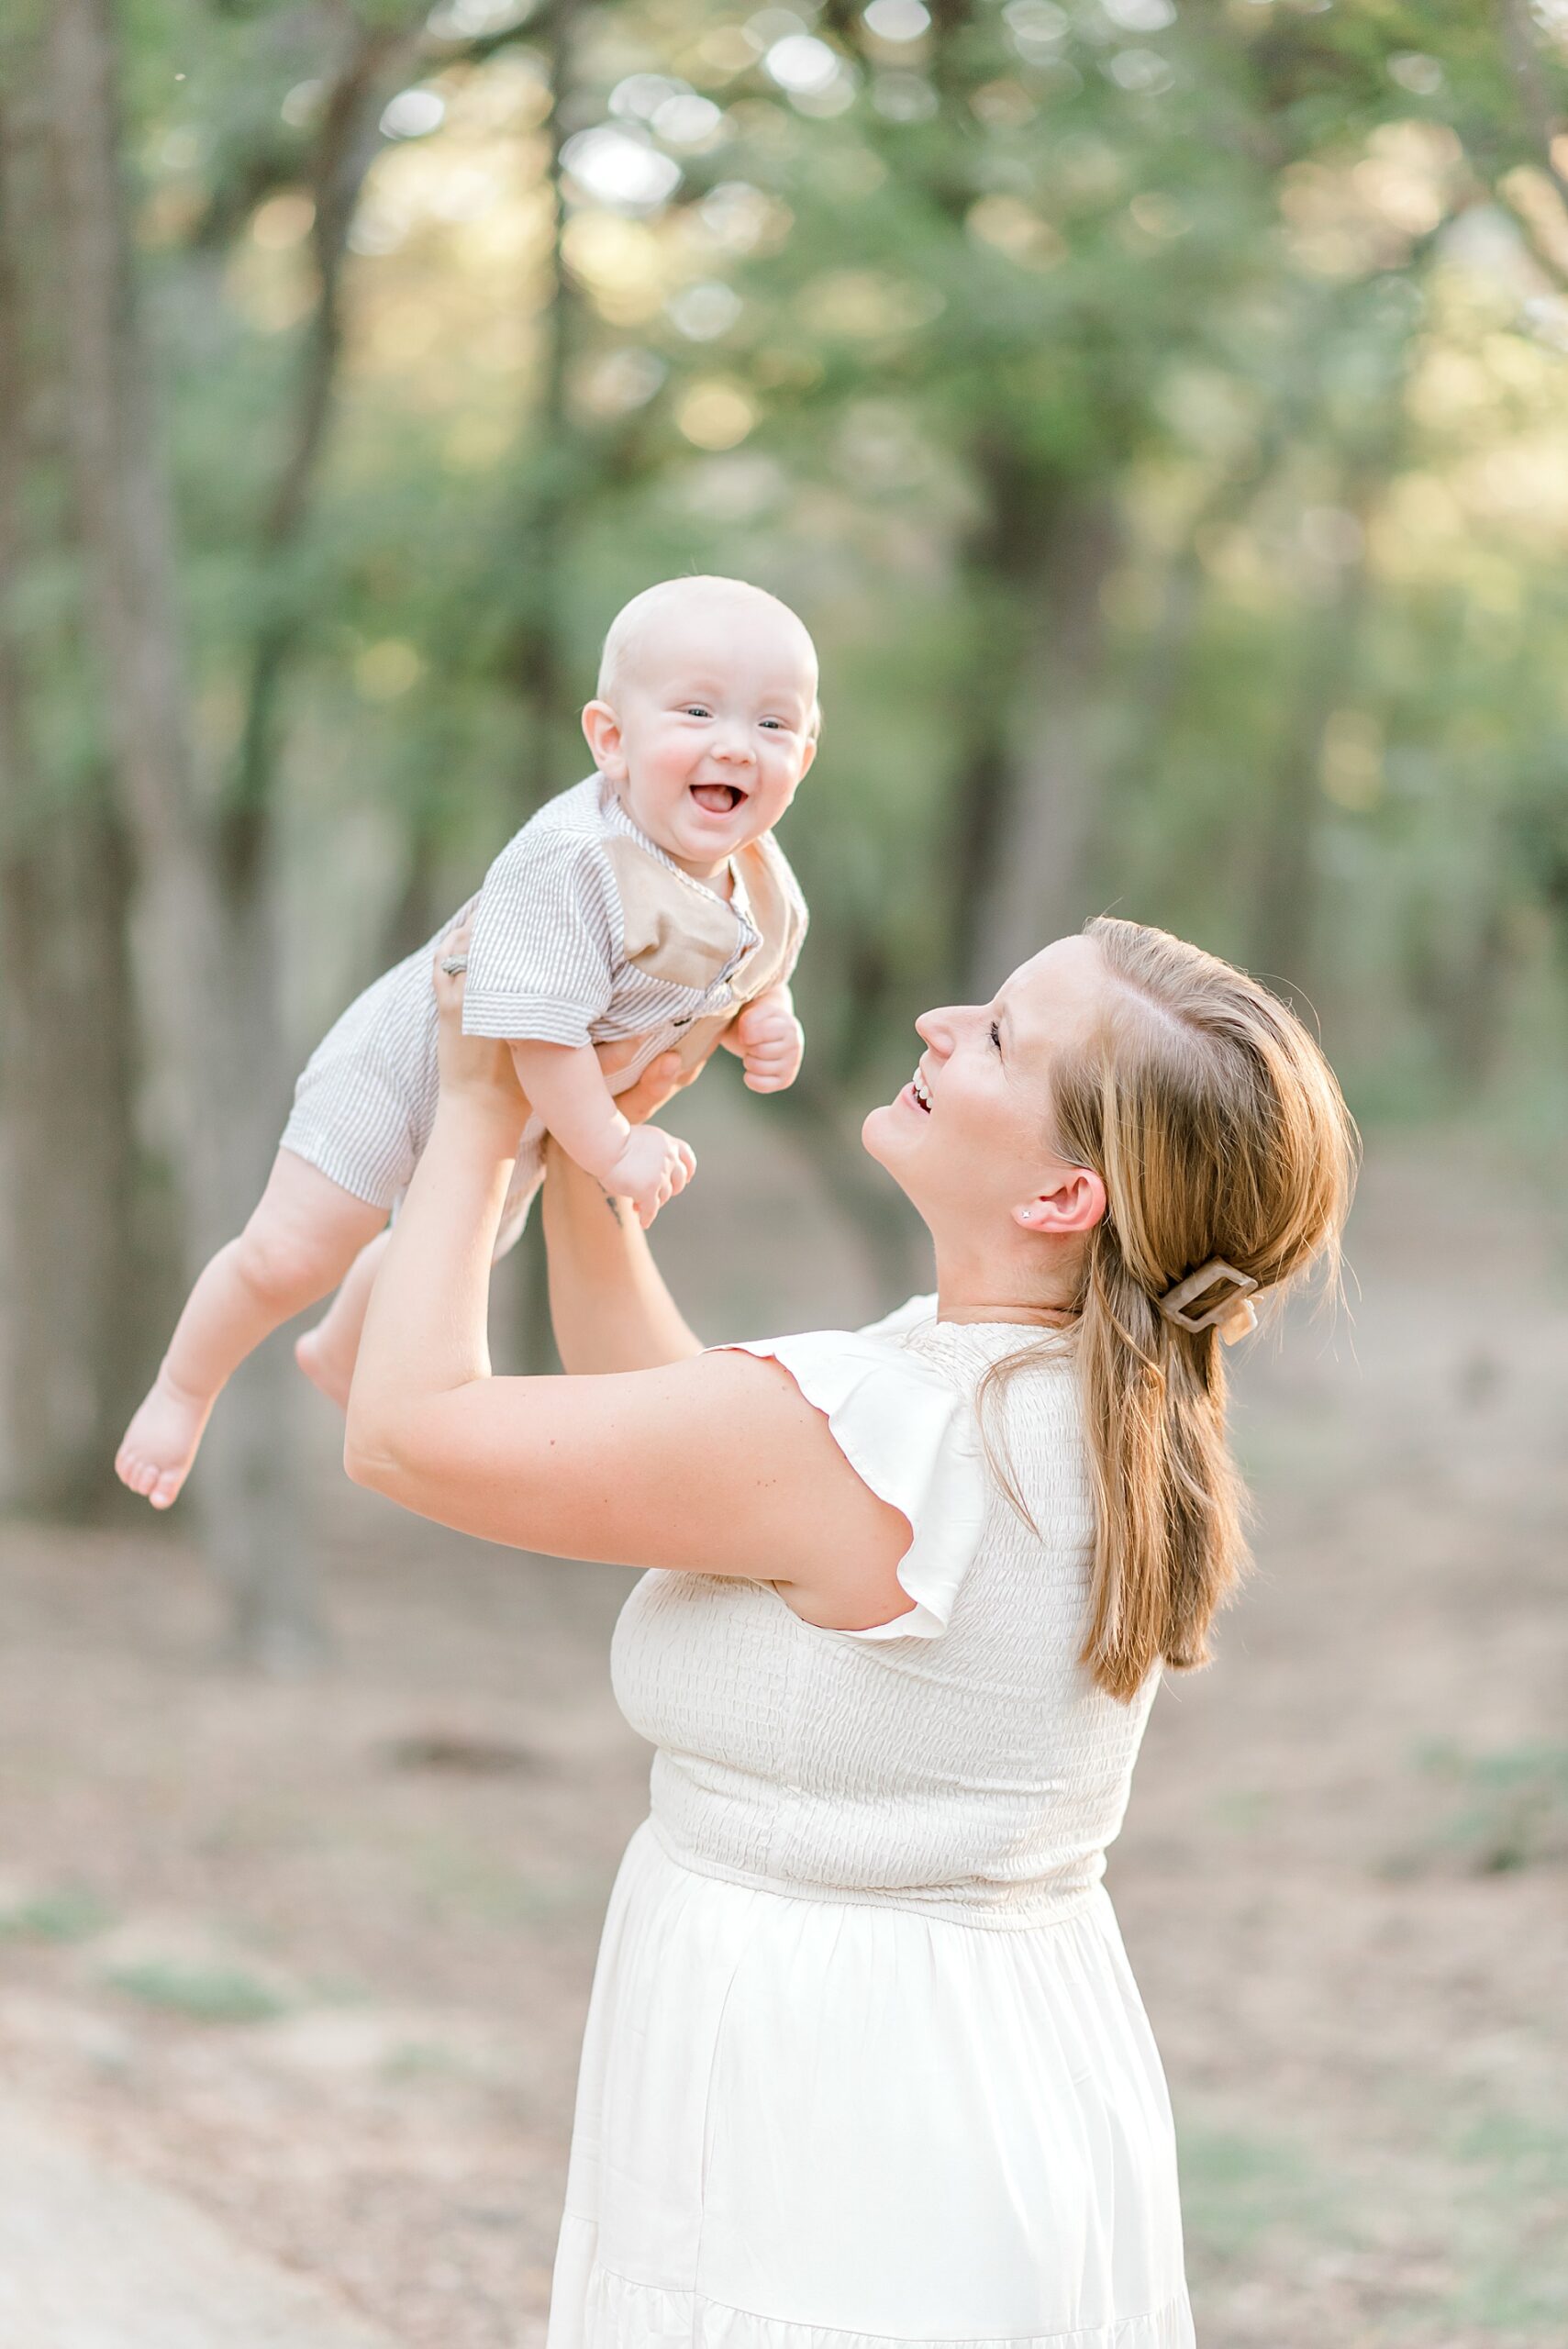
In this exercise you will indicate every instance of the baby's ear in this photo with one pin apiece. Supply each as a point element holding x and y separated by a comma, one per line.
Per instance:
<point>601,727</point>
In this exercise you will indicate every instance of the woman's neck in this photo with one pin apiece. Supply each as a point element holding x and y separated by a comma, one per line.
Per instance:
<point>1021,1288</point>
<point>1041,1316</point>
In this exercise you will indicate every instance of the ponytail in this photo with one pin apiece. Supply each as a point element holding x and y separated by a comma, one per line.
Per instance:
<point>1218,1129</point>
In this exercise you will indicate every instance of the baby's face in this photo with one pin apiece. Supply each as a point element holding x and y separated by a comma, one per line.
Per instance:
<point>713,715</point>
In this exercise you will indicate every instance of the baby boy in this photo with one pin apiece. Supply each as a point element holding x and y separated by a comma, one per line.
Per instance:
<point>650,902</point>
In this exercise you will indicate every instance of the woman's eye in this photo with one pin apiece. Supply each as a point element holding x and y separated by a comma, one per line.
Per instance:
<point>995,1035</point>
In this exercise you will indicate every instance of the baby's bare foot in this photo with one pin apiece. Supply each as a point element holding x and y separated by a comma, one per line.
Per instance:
<point>323,1367</point>
<point>160,1442</point>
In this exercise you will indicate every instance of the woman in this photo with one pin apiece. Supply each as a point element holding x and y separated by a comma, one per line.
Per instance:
<point>865,2065</point>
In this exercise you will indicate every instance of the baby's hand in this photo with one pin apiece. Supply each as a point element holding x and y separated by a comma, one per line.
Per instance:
<point>770,1040</point>
<point>649,1170</point>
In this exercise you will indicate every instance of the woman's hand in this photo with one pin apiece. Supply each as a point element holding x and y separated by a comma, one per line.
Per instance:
<point>473,1069</point>
<point>657,1084</point>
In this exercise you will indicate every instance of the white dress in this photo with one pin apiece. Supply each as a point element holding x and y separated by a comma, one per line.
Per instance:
<point>866,2066</point>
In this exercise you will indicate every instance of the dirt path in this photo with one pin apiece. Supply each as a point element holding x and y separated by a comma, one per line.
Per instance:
<point>92,2258</point>
<point>315,1958</point>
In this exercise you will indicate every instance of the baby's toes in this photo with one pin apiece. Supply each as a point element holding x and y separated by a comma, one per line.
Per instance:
<point>166,1489</point>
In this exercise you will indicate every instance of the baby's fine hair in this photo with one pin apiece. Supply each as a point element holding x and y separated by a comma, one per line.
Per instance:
<point>633,619</point>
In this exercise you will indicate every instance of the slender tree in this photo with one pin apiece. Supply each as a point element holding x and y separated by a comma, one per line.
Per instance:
<point>66,1045</point>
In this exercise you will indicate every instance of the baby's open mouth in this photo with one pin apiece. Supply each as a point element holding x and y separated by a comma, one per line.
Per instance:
<point>718,798</point>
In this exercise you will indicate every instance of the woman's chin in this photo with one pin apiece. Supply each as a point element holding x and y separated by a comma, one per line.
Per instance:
<point>879,1135</point>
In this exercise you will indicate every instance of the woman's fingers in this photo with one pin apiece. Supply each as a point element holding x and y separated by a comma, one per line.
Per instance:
<point>641,1100</point>
<point>467,1063</point>
<point>449,967</point>
<point>663,1077</point>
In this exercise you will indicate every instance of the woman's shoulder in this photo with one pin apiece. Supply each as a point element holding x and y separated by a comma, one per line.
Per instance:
<point>914,1313</point>
<point>887,1358</point>
<point>912,1347</point>
<point>967,1351</point>
<point>909,1433</point>
<point>901,1401</point>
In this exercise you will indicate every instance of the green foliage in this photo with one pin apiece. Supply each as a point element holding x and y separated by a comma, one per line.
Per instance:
<point>1237,2189</point>
<point>200,1994</point>
<point>1514,2269</point>
<point>69,1913</point>
<point>1280,294</point>
<point>1510,1806</point>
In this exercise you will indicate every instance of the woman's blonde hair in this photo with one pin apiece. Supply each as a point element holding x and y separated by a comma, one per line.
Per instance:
<point>1218,1130</point>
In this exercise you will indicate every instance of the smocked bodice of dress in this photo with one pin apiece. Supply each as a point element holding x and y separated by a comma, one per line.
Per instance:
<point>961,1760</point>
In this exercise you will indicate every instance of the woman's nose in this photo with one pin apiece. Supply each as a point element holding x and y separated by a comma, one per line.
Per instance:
<point>936,1029</point>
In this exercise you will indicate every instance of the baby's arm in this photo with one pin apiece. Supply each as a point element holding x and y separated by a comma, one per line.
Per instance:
<point>565,1085</point>
<point>769,1041</point>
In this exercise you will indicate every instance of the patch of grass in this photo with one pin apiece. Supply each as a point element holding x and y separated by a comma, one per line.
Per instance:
<point>1244,1809</point>
<point>202,1994</point>
<point>1511,2176</point>
<point>417,2059</point>
<point>1237,2188</point>
<point>463,1884</point>
<point>1511,1808</point>
<point>463,1754</point>
<point>68,1914</point>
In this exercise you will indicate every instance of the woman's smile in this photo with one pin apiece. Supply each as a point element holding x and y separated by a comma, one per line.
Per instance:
<point>919,1093</point>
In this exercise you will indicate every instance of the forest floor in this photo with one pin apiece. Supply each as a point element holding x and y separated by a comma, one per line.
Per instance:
<point>306,1965</point>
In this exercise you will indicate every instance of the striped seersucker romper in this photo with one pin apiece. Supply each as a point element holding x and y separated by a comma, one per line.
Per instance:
<point>584,932</point>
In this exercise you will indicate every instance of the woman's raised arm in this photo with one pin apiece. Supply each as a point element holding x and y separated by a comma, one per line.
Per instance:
<point>711,1463</point>
<point>607,1298</point>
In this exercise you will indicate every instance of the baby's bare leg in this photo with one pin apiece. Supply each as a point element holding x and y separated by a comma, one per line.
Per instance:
<point>327,1353</point>
<point>299,1244</point>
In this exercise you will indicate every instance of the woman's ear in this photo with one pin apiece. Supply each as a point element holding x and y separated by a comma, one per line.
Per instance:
<point>602,728</point>
<point>1074,1204</point>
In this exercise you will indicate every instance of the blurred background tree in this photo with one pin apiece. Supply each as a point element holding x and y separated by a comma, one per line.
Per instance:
<point>1155,408</point>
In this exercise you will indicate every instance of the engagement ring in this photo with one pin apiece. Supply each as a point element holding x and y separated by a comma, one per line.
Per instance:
<point>455,964</point>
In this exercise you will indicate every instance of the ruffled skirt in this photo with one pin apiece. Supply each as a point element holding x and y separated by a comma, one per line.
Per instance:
<point>812,2124</point>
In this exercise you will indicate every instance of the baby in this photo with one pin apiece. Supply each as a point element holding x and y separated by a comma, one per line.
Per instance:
<point>650,901</point>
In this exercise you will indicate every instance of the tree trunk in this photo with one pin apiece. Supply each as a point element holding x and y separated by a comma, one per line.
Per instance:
<point>1287,900</point>
<point>522,1302</point>
<point>209,1005</point>
<point>66,1049</point>
<point>69,1175</point>
<point>1041,559</point>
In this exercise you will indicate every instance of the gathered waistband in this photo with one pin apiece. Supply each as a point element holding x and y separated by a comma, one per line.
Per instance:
<point>1026,1909</point>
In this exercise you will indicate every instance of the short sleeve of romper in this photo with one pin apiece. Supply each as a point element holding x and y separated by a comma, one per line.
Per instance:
<point>909,1433</point>
<point>546,932</point>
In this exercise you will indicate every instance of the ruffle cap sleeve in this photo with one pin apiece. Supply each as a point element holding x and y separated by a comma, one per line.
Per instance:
<point>914,1313</point>
<point>909,1434</point>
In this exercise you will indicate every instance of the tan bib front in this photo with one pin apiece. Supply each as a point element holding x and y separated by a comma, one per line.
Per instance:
<point>686,936</point>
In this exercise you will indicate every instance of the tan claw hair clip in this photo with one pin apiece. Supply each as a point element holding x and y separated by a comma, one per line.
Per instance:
<point>1233,1317</point>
